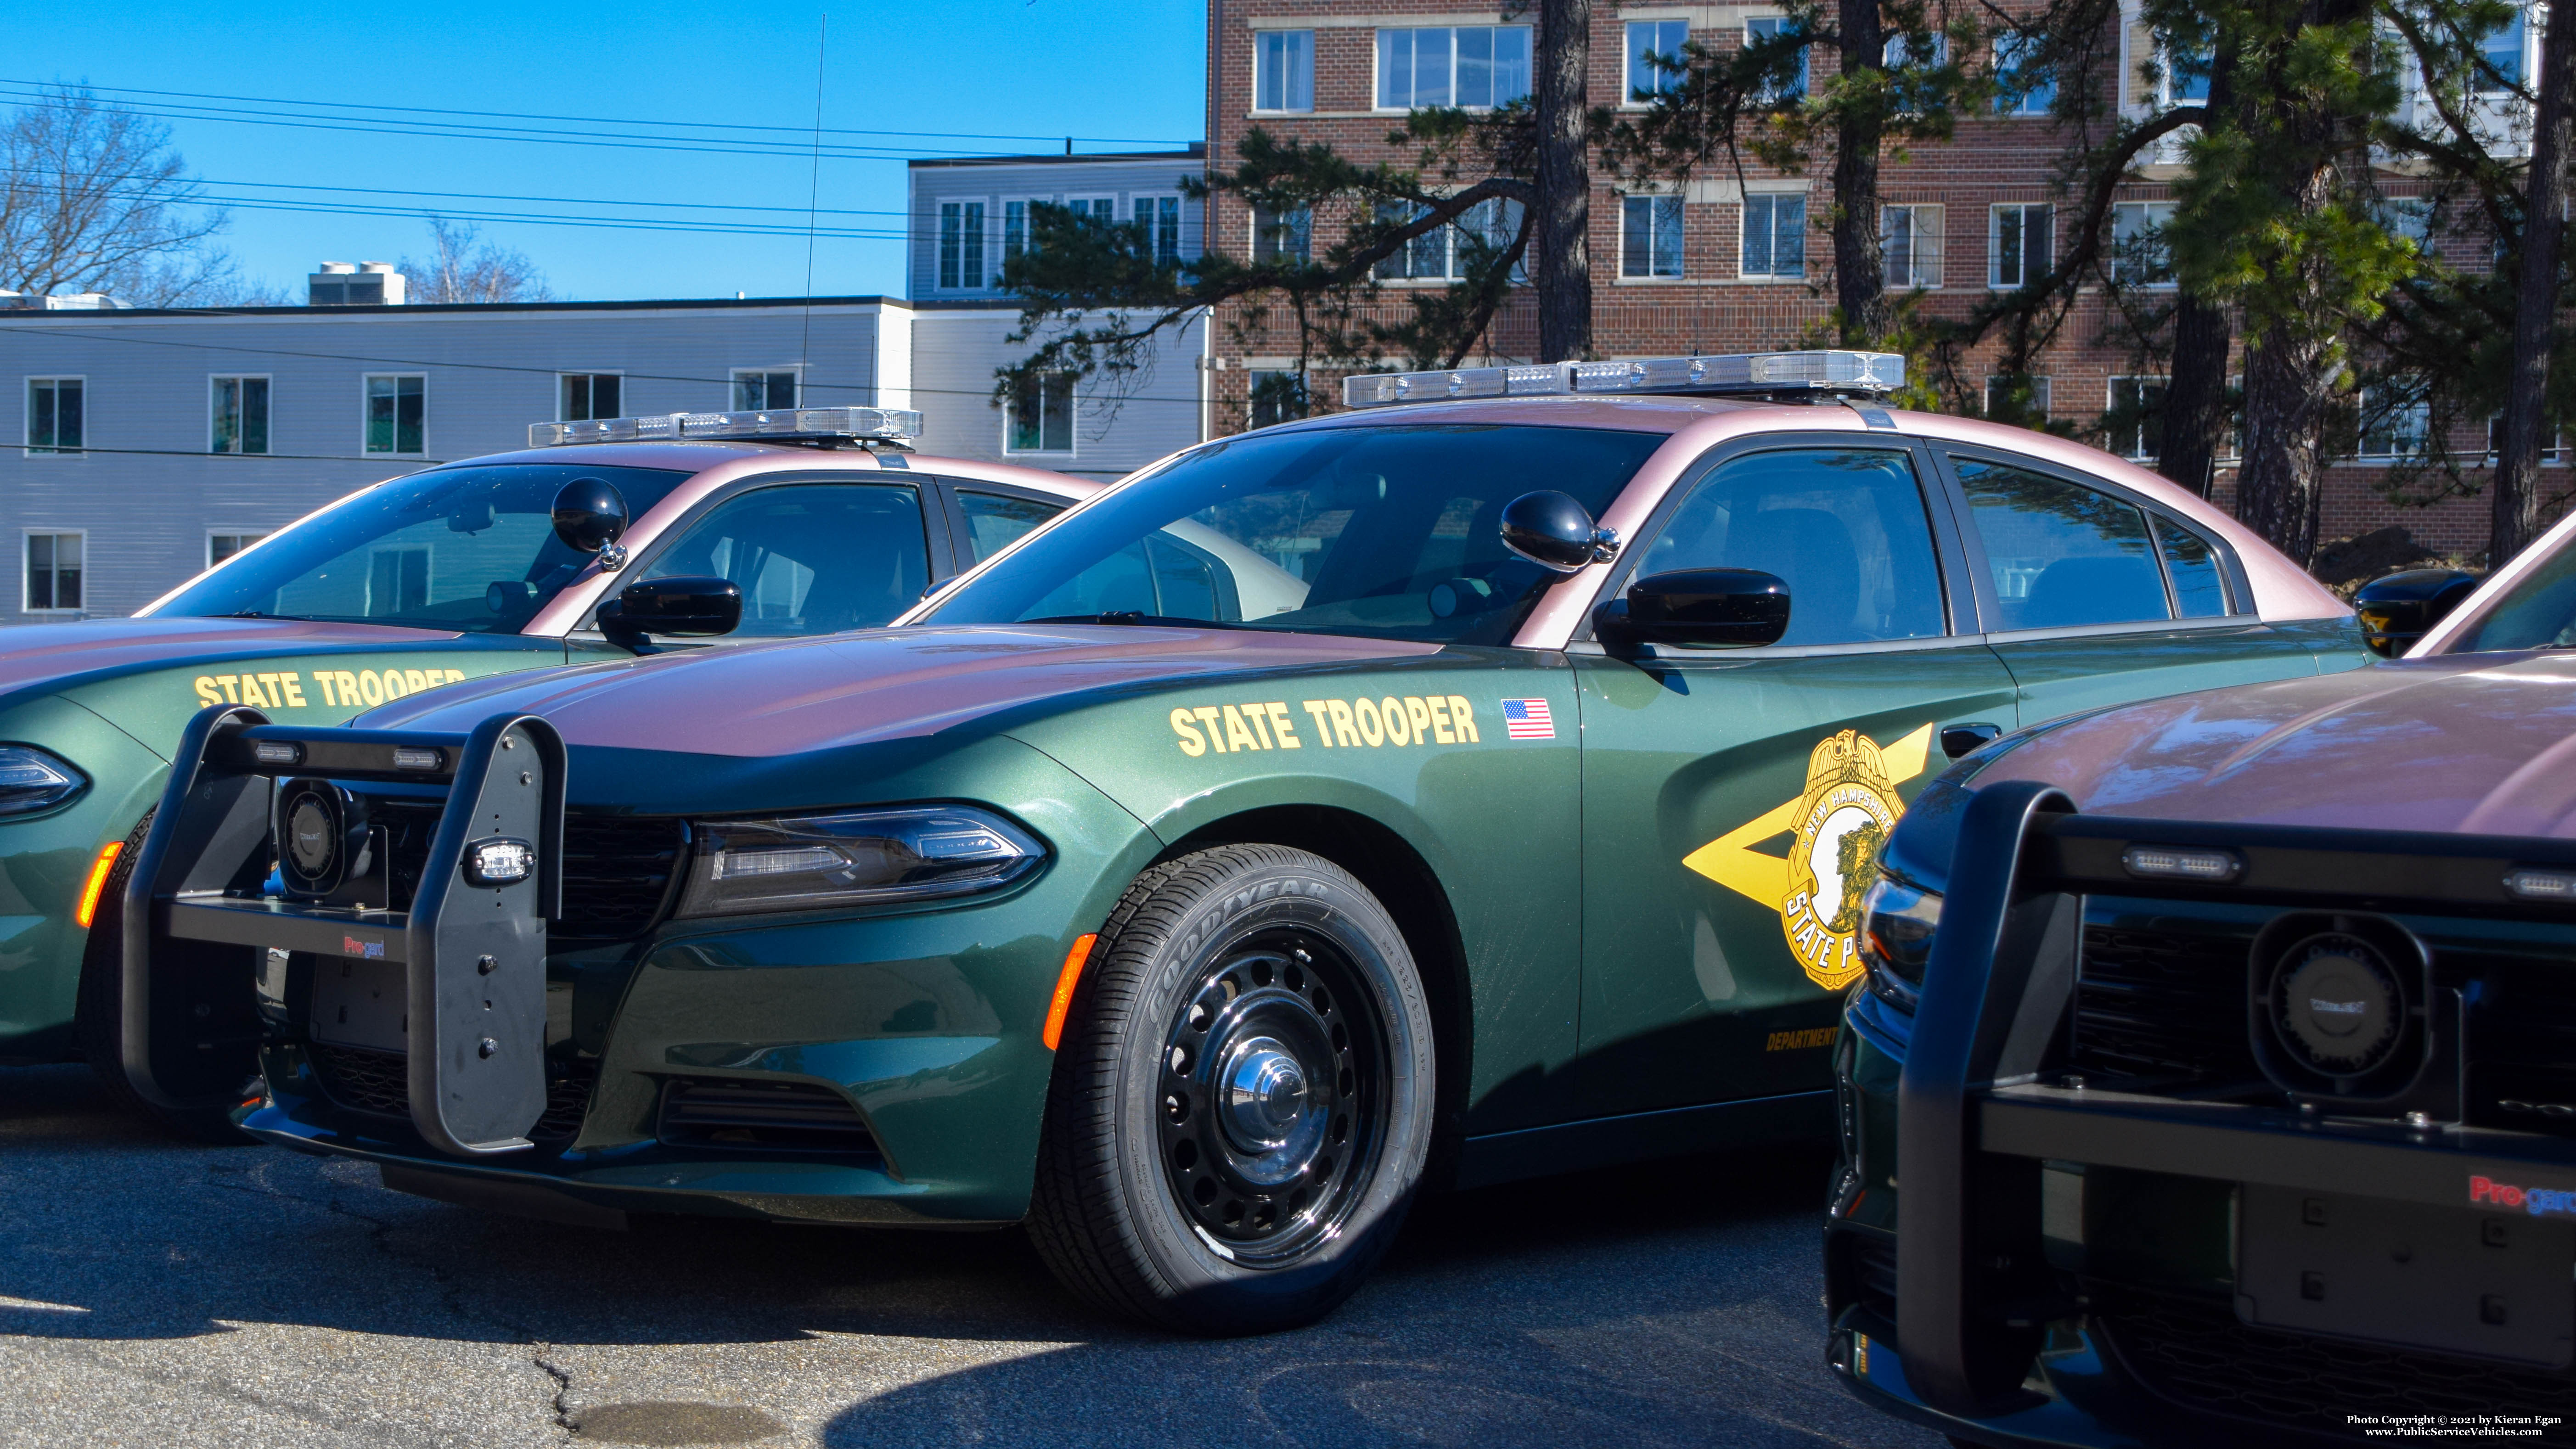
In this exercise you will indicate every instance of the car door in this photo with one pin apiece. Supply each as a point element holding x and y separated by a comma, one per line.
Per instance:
<point>811,556</point>
<point>2095,597</point>
<point>1732,798</point>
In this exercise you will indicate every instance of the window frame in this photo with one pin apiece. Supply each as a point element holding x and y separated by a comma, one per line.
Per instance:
<point>949,254</point>
<point>1261,43</point>
<point>366,399</point>
<point>2111,403</point>
<point>1303,229</point>
<point>2148,208</point>
<point>1940,506</point>
<point>1664,81</point>
<point>1806,62</point>
<point>593,374</point>
<point>1994,242</point>
<point>1744,234</point>
<point>214,412</point>
<point>27,572</point>
<point>1655,201</point>
<point>1175,214</point>
<point>2008,50</point>
<point>1913,253</point>
<point>2421,407</point>
<point>1072,422</point>
<point>796,379</point>
<point>1377,66</point>
<point>254,535</point>
<point>2240,611</point>
<point>2044,390</point>
<point>27,435</point>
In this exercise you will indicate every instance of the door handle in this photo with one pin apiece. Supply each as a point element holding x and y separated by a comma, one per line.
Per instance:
<point>1967,739</point>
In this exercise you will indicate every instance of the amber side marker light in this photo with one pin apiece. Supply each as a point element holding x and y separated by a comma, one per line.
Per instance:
<point>97,883</point>
<point>1064,980</point>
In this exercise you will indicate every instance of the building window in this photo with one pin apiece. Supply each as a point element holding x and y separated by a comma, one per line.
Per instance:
<point>1771,27</point>
<point>1277,397</point>
<point>1283,70</point>
<point>2555,455</point>
<point>2182,75</point>
<point>1015,229</point>
<point>1775,235</point>
<point>1909,239</point>
<point>2502,51</point>
<point>240,408</point>
<point>2408,218</point>
<point>2014,399</point>
<point>588,395</point>
<point>2019,250</point>
<point>1040,418</point>
<point>1452,65</point>
<point>2023,84</point>
<point>758,389</point>
<point>221,546</point>
<point>2139,256</point>
<point>54,570</point>
<point>1928,52</point>
<point>1446,253</point>
<point>961,244</point>
<point>2394,424</point>
<point>395,409</point>
<point>1102,209</point>
<point>1282,236</point>
<point>1158,221</point>
<point>1654,48</point>
<point>54,421</point>
<point>2136,422</point>
<point>1650,236</point>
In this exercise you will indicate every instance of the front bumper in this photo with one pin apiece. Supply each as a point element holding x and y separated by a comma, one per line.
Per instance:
<point>2068,1263</point>
<point>876,1065</point>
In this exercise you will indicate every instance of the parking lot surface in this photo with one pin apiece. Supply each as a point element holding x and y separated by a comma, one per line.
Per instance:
<point>157,1294</point>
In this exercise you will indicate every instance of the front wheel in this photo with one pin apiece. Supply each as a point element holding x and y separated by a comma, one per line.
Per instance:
<point>1243,1098</point>
<point>99,1018</point>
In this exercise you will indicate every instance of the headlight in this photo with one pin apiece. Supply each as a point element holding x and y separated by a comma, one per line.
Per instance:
<point>861,857</point>
<point>1897,921</point>
<point>32,780</point>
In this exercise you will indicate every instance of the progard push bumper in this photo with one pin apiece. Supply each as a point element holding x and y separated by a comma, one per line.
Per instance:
<point>468,935</point>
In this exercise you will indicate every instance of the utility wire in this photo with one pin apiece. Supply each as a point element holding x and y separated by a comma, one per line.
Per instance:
<point>813,198</point>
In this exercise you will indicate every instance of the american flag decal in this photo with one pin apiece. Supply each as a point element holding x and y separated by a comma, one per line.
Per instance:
<point>1528,719</point>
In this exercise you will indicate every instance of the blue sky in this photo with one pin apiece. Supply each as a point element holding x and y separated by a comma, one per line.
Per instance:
<point>1128,72</point>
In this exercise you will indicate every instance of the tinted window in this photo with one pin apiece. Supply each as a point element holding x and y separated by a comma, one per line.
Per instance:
<point>1346,530</point>
<point>468,550</point>
<point>2063,555</point>
<point>2200,588</point>
<point>2537,613</point>
<point>995,522</point>
<point>1844,528</point>
<point>812,558</point>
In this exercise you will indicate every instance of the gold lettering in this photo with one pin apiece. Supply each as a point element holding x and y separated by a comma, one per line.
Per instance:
<point>1372,728</point>
<point>226,682</point>
<point>371,689</point>
<point>456,676</point>
<point>293,682</point>
<point>348,688</point>
<point>1207,713</point>
<point>206,690</point>
<point>1182,725</point>
<point>1260,724</point>
<point>1322,710</point>
<point>1281,728</point>
<point>1462,719</point>
<point>322,680</point>
<point>1237,737</point>
<point>1420,714</point>
<point>414,681</point>
<point>250,694</point>
<point>1391,710</point>
<point>1345,730</point>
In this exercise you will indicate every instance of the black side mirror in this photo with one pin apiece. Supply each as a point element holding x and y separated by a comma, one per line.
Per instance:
<point>680,607</point>
<point>1553,531</point>
<point>590,515</point>
<point>2400,608</point>
<point>1730,607</point>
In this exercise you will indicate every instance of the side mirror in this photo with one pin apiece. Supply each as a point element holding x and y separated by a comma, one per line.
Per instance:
<point>680,607</point>
<point>590,516</point>
<point>1731,607</point>
<point>2400,608</point>
<point>1553,531</point>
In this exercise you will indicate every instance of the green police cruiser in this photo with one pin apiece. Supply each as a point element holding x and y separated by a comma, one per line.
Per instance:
<point>814,520</point>
<point>1475,784</point>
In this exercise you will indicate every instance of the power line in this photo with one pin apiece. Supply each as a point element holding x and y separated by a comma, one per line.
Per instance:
<point>486,195</point>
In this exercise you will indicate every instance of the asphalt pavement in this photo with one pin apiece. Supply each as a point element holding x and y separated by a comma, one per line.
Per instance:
<point>165,1295</point>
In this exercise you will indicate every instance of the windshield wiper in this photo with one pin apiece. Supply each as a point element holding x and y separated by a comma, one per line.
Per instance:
<point>1130,617</point>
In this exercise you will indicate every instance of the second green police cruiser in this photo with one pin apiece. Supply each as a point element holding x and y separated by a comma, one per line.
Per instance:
<point>1453,791</point>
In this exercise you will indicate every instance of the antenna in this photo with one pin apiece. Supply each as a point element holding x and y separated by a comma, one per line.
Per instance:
<point>813,200</point>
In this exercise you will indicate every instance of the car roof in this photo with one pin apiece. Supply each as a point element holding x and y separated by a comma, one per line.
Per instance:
<point>701,457</point>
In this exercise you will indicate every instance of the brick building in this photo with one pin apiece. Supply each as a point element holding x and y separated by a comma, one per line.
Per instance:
<point>1719,264</point>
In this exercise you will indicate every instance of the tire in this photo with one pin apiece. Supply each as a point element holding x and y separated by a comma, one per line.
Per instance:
<point>1262,1208</point>
<point>99,1016</point>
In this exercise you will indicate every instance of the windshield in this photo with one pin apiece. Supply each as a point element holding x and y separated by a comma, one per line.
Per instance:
<point>1388,531</point>
<point>461,550</point>
<point>2537,613</point>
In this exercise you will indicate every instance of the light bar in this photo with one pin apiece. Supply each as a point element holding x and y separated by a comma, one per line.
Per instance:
<point>2557,887</point>
<point>893,425</point>
<point>2157,862</point>
<point>1826,372</point>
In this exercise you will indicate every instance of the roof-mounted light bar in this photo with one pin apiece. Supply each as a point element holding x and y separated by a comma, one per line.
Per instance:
<point>780,425</point>
<point>1825,373</point>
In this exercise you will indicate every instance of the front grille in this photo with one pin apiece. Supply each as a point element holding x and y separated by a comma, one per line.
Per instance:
<point>1871,1262</point>
<point>2163,1004</point>
<point>797,1116</point>
<point>378,1083</point>
<point>2199,1355</point>
<point>619,872</point>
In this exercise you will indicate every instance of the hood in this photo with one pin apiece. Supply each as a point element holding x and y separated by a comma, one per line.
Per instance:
<point>766,700</point>
<point>55,655</point>
<point>2479,744</point>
